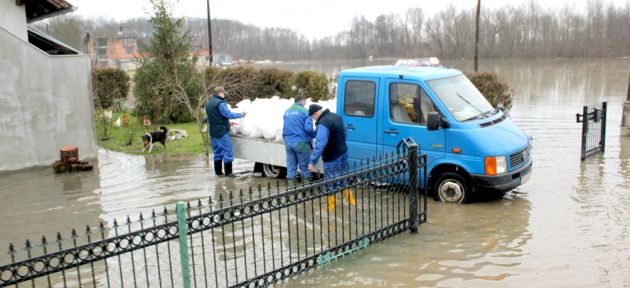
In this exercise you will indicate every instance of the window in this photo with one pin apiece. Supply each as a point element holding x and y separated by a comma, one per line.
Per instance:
<point>359,98</point>
<point>129,50</point>
<point>129,42</point>
<point>461,98</point>
<point>101,51</point>
<point>409,104</point>
<point>100,42</point>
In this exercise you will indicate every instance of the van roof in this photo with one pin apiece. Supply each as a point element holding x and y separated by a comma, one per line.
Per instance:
<point>420,73</point>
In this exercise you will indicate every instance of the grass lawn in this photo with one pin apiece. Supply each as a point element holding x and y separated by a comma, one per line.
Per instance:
<point>193,144</point>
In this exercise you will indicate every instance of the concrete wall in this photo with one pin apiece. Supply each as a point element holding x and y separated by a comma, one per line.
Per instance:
<point>45,103</point>
<point>13,18</point>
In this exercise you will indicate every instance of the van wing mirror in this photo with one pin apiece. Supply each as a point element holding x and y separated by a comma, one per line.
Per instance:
<point>444,123</point>
<point>433,121</point>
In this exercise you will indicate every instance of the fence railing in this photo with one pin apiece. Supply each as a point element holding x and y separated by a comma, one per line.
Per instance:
<point>252,238</point>
<point>593,121</point>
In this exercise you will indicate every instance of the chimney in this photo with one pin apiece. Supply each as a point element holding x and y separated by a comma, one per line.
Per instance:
<point>88,45</point>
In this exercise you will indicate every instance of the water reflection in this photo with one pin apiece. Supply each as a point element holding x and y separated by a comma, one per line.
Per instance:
<point>459,246</point>
<point>131,184</point>
<point>37,202</point>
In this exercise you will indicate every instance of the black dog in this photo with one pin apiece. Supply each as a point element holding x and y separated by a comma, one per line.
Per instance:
<point>154,137</point>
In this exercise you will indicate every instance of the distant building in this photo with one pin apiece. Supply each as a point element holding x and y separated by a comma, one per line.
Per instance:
<point>45,89</point>
<point>121,52</point>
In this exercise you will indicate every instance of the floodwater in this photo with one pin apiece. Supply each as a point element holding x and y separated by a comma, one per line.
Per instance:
<point>569,226</point>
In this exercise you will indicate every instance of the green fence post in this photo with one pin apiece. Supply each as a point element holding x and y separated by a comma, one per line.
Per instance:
<point>182,227</point>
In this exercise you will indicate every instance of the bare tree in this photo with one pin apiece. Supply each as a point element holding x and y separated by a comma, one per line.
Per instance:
<point>477,35</point>
<point>526,30</point>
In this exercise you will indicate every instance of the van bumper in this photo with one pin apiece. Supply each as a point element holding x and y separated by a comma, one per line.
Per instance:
<point>505,182</point>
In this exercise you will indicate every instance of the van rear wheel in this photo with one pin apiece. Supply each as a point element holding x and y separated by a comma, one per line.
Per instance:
<point>273,171</point>
<point>452,188</point>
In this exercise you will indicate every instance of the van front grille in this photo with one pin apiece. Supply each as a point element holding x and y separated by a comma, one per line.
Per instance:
<point>519,157</point>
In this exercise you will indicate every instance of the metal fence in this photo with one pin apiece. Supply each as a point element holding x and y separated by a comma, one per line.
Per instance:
<point>251,238</point>
<point>593,121</point>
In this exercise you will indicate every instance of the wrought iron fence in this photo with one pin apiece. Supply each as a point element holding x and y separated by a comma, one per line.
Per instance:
<point>251,238</point>
<point>593,121</point>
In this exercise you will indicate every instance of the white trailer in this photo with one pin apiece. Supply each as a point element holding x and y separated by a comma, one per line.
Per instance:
<point>269,156</point>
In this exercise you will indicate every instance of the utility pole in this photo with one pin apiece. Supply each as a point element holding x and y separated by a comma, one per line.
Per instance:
<point>210,51</point>
<point>477,36</point>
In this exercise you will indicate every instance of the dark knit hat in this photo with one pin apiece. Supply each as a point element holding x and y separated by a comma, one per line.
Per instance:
<point>313,108</point>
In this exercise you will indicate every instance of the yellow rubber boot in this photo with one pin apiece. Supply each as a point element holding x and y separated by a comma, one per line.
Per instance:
<point>332,200</point>
<point>349,197</point>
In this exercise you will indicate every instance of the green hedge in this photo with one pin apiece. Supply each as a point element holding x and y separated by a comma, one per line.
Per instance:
<point>242,82</point>
<point>313,84</point>
<point>275,82</point>
<point>251,83</point>
<point>495,89</point>
<point>239,82</point>
<point>109,84</point>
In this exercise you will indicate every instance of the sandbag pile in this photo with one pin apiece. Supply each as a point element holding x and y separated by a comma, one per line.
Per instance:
<point>264,116</point>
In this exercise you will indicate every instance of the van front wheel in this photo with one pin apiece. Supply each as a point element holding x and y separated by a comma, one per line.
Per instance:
<point>452,188</point>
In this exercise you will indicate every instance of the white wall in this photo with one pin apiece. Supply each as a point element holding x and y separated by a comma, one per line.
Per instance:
<point>13,18</point>
<point>45,103</point>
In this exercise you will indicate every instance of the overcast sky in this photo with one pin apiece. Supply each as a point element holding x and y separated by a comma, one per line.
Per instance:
<point>314,19</point>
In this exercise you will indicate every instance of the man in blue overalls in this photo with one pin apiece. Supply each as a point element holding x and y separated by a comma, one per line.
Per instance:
<point>297,132</point>
<point>219,127</point>
<point>330,144</point>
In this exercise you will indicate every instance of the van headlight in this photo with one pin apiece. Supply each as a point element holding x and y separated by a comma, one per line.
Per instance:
<point>495,165</point>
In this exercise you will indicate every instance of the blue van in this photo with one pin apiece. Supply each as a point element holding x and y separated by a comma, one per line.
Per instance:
<point>471,146</point>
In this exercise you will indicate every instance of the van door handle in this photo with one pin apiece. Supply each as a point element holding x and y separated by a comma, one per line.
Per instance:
<point>391,131</point>
<point>350,127</point>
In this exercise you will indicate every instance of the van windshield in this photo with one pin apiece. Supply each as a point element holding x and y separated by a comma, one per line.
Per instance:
<point>461,98</point>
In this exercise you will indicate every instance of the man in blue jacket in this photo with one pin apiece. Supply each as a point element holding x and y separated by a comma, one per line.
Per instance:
<point>330,144</point>
<point>219,127</point>
<point>298,131</point>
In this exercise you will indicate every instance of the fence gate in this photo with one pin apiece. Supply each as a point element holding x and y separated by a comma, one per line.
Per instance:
<point>593,121</point>
<point>251,238</point>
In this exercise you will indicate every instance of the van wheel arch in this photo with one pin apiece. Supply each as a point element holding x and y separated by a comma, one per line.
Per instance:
<point>454,174</point>
<point>270,171</point>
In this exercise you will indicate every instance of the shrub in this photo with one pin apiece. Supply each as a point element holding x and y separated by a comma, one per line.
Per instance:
<point>118,105</point>
<point>495,89</point>
<point>314,85</point>
<point>275,82</point>
<point>157,101</point>
<point>239,82</point>
<point>129,130</point>
<point>104,123</point>
<point>249,83</point>
<point>109,84</point>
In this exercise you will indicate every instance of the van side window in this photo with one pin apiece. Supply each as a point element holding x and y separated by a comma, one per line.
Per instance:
<point>409,104</point>
<point>359,98</point>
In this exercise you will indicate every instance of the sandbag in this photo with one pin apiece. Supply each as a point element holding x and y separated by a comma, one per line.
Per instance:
<point>265,116</point>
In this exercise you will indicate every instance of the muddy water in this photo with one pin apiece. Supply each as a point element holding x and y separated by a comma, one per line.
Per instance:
<point>567,227</point>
